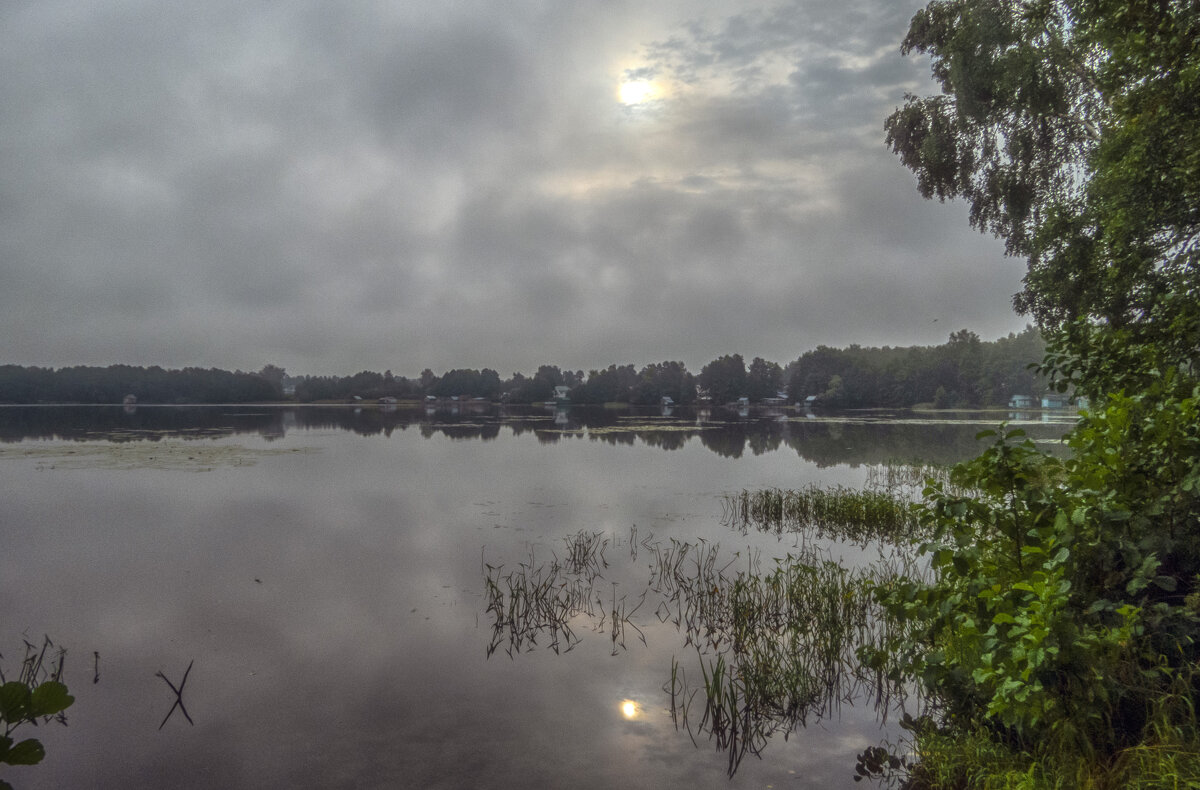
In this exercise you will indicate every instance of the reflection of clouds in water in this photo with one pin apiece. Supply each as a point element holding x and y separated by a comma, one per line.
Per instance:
<point>327,657</point>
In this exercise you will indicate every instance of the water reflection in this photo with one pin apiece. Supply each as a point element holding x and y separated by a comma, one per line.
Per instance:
<point>851,438</point>
<point>340,579</point>
<point>775,642</point>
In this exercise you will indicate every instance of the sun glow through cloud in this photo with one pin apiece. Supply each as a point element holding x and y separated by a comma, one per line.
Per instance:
<point>638,91</point>
<point>629,709</point>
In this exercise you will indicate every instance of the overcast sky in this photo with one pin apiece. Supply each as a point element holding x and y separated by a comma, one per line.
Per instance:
<point>339,186</point>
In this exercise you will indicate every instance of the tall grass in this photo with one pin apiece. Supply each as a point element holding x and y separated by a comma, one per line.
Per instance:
<point>539,600</point>
<point>776,646</point>
<point>775,641</point>
<point>857,515</point>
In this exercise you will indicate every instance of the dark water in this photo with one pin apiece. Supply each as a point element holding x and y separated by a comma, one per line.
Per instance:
<point>323,571</point>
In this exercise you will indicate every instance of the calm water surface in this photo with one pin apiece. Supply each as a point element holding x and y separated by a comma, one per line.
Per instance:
<point>323,571</point>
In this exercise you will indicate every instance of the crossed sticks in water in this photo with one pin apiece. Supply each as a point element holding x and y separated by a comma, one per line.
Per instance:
<point>178,695</point>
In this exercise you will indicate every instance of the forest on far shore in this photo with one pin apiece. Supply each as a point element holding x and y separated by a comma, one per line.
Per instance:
<point>963,372</point>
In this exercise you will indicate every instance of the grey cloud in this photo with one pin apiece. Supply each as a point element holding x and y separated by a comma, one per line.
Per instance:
<point>398,186</point>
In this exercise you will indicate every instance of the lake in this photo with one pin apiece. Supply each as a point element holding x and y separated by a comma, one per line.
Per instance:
<point>327,573</point>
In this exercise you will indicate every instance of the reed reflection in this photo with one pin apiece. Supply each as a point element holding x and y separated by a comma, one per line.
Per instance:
<point>768,647</point>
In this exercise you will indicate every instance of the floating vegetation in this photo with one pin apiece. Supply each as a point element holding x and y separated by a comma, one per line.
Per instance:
<point>192,456</point>
<point>858,515</point>
<point>648,427</point>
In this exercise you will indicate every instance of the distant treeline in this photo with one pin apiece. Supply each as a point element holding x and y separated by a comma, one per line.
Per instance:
<point>965,371</point>
<point>962,372</point>
<point>149,385</point>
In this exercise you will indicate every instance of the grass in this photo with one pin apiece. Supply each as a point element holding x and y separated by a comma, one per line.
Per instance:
<point>540,600</point>
<point>861,516</point>
<point>977,760</point>
<point>775,641</point>
<point>776,646</point>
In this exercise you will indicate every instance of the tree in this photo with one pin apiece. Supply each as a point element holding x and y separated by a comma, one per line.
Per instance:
<point>664,379</point>
<point>1071,126</point>
<point>724,378</point>
<point>1063,616</point>
<point>274,375</point>
<point>764,379</point>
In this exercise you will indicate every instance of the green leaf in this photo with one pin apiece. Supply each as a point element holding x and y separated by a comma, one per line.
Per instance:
<point>14,702</point>
<point>27,752</point>
<point>1167,583</point>
<point>49,698</point>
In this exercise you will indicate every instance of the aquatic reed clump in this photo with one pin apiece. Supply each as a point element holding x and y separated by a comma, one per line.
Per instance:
<point>532,601</point>
<point>775,645</point>
<point>542,599</point>
<point>857,515</point>
<point>905,479</point>
<point>776,641</point>
<point>585,552</point>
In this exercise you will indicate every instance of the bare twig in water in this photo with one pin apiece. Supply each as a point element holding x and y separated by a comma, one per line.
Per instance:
<point>178,695</point>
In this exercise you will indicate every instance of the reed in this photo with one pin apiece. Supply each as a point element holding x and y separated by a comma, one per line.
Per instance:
<point>776,641</point>
<point>776,645</point>
<point>585,552</point>
<point>541,599</point>
<point>858,515</point>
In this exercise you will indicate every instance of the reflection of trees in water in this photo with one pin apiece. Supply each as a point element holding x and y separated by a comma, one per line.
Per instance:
<point>728,441</point>
<point>825,442</point>
<point>832,443</point>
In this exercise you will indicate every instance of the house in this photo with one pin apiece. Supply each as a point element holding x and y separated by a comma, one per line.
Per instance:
<point>560,394</point>
<point>1021,402</point>
<point>130,400</point>
<point>1054,401</point>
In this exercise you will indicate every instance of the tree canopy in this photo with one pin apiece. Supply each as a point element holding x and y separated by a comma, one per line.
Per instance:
<point>1062,622</point>
<point>1072,129</point>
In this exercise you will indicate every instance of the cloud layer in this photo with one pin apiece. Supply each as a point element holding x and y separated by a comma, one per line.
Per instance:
<point>384,185</point>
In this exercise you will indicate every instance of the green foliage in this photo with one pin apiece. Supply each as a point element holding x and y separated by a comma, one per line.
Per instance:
<point>1061,600</point>
<point>38,693</point>
<point>1063,621</point>
<point>963,372</point>
<point>1071,128</point>
<point>724,379</point>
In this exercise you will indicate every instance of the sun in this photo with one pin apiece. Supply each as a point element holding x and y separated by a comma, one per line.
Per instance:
<point>637,92</point>
<point>630,709</point>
